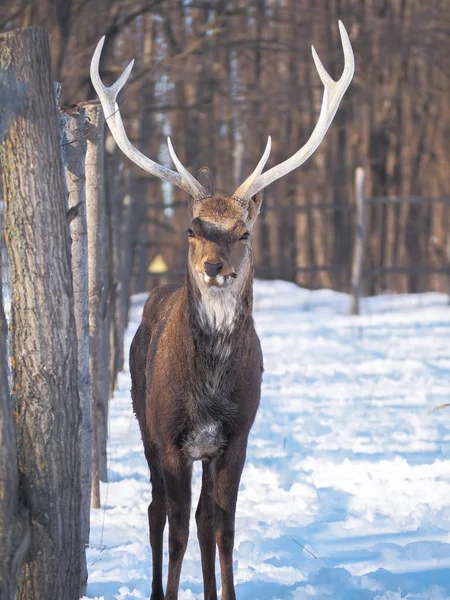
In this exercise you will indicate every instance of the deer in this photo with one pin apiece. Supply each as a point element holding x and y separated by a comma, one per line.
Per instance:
<point>195,361</point>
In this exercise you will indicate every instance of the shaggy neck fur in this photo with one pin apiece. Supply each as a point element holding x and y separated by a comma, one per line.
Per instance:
<point>217,310</point>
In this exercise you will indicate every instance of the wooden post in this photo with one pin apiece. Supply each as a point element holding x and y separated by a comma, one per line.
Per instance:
<point>73,144</point>
<point>43,334</point>
<point>98,294</point>
<point>360,240</point>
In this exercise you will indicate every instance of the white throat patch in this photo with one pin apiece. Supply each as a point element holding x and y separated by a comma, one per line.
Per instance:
<point>217,308</point>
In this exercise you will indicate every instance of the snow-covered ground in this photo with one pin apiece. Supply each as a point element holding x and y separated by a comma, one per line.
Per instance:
<point>346,490</point>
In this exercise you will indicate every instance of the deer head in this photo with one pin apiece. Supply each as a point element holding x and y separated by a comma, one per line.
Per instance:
<point>220,230</point>
<point>220,237</point>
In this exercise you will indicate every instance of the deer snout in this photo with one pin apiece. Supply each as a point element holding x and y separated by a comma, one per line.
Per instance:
<point>212,269</point>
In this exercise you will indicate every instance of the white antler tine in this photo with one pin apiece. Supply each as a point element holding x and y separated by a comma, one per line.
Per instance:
<point>265,157</point>
<point>95,61</point>
<point>183,179</point>
<point>325,77</point>
<point>95,64</point>
<point>173,155</point>
<point>183,171</point>
<point>115,88</point>
<point>349,57</point>
<point>246,188</point>
<point>118,85</point>
<point>333,93</point>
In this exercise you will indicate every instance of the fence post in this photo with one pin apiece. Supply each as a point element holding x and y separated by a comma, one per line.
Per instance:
<point>73,144</point>
<point>360,240</point>
<point>98,292</point>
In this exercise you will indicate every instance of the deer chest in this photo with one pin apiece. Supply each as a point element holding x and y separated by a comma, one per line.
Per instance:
<point>210,413</point>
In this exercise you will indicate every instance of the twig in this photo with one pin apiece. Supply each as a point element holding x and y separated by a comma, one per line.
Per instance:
<point>301,546</point>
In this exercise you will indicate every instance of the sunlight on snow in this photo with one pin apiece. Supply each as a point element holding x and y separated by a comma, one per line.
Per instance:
<point>346,489</point>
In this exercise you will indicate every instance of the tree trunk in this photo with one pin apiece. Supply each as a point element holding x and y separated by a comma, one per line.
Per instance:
<point>360,241</point>
<point>43,344</point>
<point>98,294</point>
<point>134,212</point>
<point>14,528</point>
<point>113,171</point>
<point>74,154</point>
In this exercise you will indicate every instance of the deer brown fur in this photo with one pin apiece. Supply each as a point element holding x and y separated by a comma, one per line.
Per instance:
<point>196,368</point>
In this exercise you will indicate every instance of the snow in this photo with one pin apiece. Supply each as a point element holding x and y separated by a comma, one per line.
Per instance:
<point>346,490</point>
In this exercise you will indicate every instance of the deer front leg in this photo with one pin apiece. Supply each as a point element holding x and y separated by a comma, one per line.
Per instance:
<point>228,474</point>
<point>156,520</point>
<point>206,533</point>
<point>177,478</point>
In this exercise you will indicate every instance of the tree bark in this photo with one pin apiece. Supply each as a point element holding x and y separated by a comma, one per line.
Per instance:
<point>43,344</point>
<point>73,141</point>
<point>98,294</point>
<point>134,212</point>
<point>14,527</point>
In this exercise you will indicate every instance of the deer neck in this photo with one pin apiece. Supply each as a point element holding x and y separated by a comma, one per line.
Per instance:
<point>219,311</point>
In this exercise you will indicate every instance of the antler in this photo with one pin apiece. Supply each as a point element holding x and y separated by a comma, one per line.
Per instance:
<point>332,95</point>
<point>183,179</point>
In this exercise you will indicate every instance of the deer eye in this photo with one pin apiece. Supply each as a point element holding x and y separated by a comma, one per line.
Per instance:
<point>245,236</point>
<point>190,233</point>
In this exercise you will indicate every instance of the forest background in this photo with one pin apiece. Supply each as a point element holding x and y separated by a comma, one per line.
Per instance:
<point>219,76</point>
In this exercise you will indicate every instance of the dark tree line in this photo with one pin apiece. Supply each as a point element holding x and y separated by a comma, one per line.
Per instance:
<point>219,76</point>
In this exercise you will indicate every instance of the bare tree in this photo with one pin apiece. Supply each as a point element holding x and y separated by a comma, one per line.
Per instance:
<point>74,153</point>
<point>43,340</point>
<point>14,529</point>
<point>98,293</point>
<point>113,173</point>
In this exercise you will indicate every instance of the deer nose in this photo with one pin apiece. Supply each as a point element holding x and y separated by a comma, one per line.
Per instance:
<point>212,269</point>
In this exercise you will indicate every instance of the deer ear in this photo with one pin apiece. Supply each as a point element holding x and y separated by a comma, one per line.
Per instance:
<point>254,205</point>
<point>206,178</point>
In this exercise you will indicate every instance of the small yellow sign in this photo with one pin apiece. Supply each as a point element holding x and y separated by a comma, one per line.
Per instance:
<point>158,265</point>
